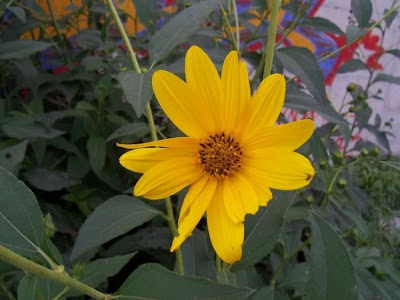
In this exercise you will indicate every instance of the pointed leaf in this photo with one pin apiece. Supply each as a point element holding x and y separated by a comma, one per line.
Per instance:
<point>27,288</point>
<point>302,63</point>
<point>393,164</point>
<point>322,24</point>
<point>96,148</point>
<point>332,274</point>
<point>49,180</point>
<point>137,89</point>
<point>21,226</point>
<point>12,156</point>
<point>21,48</point>
<point>387,78</point>
<point>113,218</point>
<point>352,65</point>
<point>362,10</point>
<point>135,130</point>
<point>298,100</point>
<point>152,281</point>
<point>179,29</point>
<point>263,230</point>
<point>196,259</point>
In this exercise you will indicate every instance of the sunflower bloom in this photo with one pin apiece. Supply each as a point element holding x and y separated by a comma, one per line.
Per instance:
<point>232,155</point>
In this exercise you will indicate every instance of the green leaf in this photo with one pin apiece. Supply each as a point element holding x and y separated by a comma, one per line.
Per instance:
<point>298,100</point>
<point>263,230</point>
<point>301,62</point>
<point>27,288</point>
<point>332,274</point>
<point>116,216</point>
<point>137,89</point>
<point>390,18</point>
<point>152,281</point>
<point>135,131</point>
<point>321,24</point>
<point>179,29</point>
<point>49,180</point>
<point>21,48</point>
<point>352,65</point>
<point>296,277</point>
<point>146,11</point>
<point>99,270</point>
<point>395,52</point>
<point>266,293</point>
<point>353,33</point>
<point>196,258</point>
<point>23,131</point>
<point>372,288</point>
<point>226,277</point>
<point>393,164</point>
<point>362,10</point>
<point>21,226</point>
<point>96,148</point>
<point>11,157</point>
<point>19,12</point>
<point>386,78</point>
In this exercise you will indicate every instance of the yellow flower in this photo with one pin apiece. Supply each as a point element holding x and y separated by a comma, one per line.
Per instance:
<point>233,154</point>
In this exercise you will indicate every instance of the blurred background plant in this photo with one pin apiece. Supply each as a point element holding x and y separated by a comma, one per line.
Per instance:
<point>68,94</point>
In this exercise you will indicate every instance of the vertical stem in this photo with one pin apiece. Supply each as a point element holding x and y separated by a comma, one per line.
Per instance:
<point>152,127</point>
<point>237,26</point>
<point>269,49</point>
<point>218,263</point>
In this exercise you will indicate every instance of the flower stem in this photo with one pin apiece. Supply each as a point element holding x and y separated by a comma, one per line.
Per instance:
<point>287,258</point>
<point>269,49</point>
<point>237,26</point>
<point>152,127</point>
<point>217,263</point>
<point>30,267</point>
<point>174,232</point>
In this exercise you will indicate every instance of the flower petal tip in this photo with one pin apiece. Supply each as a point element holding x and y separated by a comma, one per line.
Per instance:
<point>176,243</point>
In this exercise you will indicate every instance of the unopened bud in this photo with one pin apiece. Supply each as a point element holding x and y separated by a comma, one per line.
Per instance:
<point>310,199</point>
<point>364,152</point>
<point>375,152</point>
<point>342,182</point>
<point>351,87</point>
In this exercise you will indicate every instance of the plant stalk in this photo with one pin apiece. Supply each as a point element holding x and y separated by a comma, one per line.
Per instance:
<point>30,267</point>
<point>287,258</point>
<point>152,127</point>
<point>269,49</point>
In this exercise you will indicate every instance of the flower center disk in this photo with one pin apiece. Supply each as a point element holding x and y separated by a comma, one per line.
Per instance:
<point>219,155</point>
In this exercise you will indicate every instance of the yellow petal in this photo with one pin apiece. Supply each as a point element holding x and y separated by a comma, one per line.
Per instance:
<point>180,142</point>
<point>167,177</point>
<point>279,169</point>
<point>195,190</point>
<point>266,103</point>
<point>264,194</point>
<point>236,89</point>
<point>199,197</point>
<point>141,160</point>
<point>203,77</point>
<point>226,236</point>
<point>177,100</point>
<point>289,136</point>
<point>240,198</point>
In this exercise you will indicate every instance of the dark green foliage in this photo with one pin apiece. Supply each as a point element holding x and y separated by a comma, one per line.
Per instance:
<point>336,239</point>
